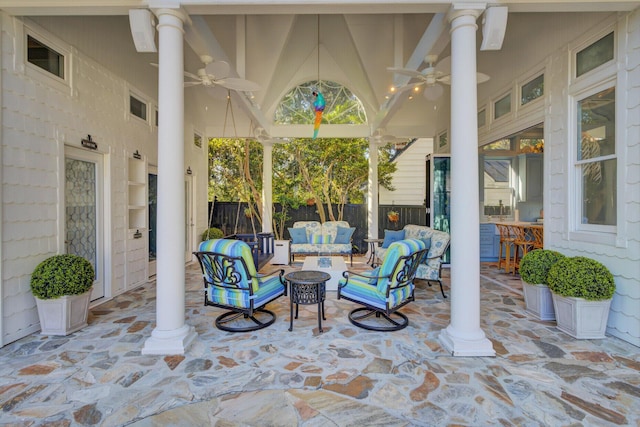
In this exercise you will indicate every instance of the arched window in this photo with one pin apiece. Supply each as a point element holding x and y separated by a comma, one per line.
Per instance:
<point>342,106</point>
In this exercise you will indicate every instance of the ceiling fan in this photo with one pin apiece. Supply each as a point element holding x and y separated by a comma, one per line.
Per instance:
<point>216,73</point>
<point>431,76</point>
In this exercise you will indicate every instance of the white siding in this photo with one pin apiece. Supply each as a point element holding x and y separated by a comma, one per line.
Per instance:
<point>409,178</point>
<point>37,122</point>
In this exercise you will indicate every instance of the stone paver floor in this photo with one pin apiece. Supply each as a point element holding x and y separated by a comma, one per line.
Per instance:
<point>345,376</point>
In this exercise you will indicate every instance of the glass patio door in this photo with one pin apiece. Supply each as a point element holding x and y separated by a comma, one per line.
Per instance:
<point>84,220</point>
<point>153,217</point>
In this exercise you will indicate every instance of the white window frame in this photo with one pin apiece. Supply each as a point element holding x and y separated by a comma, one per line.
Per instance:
<point>498,98</point>
<point>132,92</point>
<point>534,103</point>
<point>599,233</point>
<point>33,71</point>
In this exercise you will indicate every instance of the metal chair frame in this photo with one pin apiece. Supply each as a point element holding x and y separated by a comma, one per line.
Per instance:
<point>403,278</point>
<point>225,276</point>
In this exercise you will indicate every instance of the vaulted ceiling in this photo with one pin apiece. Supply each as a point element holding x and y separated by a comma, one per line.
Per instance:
<point>282,44</point>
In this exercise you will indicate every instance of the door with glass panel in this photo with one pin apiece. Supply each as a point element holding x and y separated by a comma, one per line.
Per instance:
<point>84,212</point>
<point>188,217</point>
<point>153,216</point>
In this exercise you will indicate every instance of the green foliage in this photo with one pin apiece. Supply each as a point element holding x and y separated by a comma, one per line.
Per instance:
<point>62,275</point>
<point>581,277</point>
<point>212,233</point>
<point>535,265</point>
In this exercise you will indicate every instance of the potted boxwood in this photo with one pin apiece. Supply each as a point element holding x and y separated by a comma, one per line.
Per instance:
<point>62,286</point>
<point>582,289</point>
<point>534,267</point>
<point>212,233</point>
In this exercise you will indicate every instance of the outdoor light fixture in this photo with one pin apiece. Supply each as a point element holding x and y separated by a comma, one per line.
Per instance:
<point>137,155</point>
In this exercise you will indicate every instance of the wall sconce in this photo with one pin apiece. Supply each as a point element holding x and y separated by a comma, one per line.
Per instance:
<point>189,170</point>
<point>89,143</point>
<point>137,155</point>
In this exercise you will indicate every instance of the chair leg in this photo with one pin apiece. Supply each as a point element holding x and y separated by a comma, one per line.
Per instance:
<point>395,325</point>
<point>439,282</point>
<point>224,320</point>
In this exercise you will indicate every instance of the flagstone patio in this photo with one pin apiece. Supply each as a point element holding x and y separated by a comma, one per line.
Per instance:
<point>344,376</point>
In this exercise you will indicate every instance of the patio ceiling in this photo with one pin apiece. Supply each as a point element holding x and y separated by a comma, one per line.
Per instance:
<point>282,45</point>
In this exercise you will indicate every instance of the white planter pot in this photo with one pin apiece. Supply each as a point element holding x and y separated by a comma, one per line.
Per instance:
<point>538,301</point>
<point>580,318</point>
<point>63,316</point>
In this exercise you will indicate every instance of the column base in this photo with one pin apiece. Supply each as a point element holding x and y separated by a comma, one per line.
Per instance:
<point>169,342</point>
<point>457,346</point>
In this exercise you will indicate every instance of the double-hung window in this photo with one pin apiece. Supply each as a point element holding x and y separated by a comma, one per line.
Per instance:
<point>594,149</point>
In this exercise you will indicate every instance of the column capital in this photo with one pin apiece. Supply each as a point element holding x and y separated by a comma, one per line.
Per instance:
<point>465,9</point>
<point>177,11</point>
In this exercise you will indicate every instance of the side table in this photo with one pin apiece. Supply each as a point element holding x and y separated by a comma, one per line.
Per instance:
<point>307,287</point>
<point>372,250</point>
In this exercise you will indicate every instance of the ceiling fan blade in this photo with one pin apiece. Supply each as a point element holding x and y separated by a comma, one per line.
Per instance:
<point>219,69</point>
<point>480,78</point>
<point>406,72</point>
<point>238,84</point>
<point>191,76</point>
<point>189,84</point>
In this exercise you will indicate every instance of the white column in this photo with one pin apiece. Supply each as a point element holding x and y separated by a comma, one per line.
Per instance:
<point>463,336</point>
<point>372,194</point>
<point>267,186</point>
<point>171,335</point>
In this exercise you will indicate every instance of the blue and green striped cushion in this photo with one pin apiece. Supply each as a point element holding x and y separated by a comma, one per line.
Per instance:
<point>395,251</point>
<point>359,289</point>
<point>269,289</point>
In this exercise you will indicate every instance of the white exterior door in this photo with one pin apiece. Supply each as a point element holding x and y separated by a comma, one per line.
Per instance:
<point>84,211</point>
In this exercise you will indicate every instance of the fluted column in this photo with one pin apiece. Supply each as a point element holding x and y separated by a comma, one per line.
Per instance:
<point>171,335</point>
<point>463,336</point>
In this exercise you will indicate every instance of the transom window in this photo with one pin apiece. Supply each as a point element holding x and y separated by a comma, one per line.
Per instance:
<point>502,106</point>
<point>137,107</point>
<point>342,106</point>
<point>532,90</point>
<point>41,55</point>
<point>594,55</point>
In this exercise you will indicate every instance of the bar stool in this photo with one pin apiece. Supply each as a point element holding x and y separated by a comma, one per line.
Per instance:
<point>506,242</point>
<point>538,236</point>
<point>523,243</point>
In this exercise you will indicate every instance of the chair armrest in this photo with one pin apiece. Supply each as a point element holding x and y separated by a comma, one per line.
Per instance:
<point>271,273</point>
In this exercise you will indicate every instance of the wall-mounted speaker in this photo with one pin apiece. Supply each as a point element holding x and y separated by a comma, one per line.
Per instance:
<point>494,25</point>
<point>143,29</point>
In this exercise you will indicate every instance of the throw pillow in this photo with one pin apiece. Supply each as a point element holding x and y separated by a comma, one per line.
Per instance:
<point>343,234</point>
<point>298,235</point>
<point>320,238</point>
<point>391,236</point>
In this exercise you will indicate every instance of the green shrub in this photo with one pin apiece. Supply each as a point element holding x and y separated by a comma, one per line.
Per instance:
<point>535,265</point>
<point>581,277</point>
<point>62,275</point>
<point>212,233</point>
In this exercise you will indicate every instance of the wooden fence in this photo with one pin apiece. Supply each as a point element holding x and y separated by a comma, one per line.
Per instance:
<point>230,218</point>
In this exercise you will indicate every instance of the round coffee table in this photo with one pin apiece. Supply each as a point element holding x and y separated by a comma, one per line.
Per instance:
<point>307,287</point>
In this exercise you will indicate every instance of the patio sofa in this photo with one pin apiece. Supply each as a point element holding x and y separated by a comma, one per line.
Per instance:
<point>321,238</point>
<point>437,241</point>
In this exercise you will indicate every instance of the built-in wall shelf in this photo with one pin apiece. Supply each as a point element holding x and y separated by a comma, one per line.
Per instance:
<point>137,193</point>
